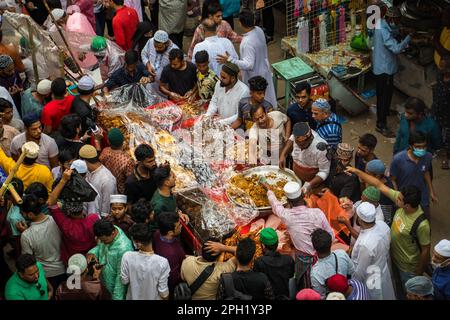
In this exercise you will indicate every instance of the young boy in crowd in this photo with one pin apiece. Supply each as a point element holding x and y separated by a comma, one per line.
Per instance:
<point>119,216</point>
<point>206,78</point>
<point>257,86</point>
<point>365,153</point>
<point>163,199</point>
<point>142,212</point>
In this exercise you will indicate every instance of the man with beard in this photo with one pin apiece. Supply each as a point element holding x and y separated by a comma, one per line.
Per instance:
<point>28,282</point>
<point>310,155</point>
<point>341,184</point>
<point>10,80</point>
<point>155,55</point>
<point>163,199</point>
<point>227,94</point>
<point>48,150</point>
<point>141,183</point>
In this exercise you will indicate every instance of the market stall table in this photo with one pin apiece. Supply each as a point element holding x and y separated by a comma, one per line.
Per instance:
<point>340,54</point>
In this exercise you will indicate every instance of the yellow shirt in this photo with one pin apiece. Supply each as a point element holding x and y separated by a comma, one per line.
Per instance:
<point>28,174</point>
<point>445,41</point>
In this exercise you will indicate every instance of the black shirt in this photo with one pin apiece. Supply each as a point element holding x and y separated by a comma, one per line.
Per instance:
<point>255,284</point>
<point>71,145</point>
<point>360,163</point>
<point>298,114</point>
<point>343,185</point>
<point>137,187</point>
<point>178,81</point>
<point>84,110</point>
<point>279,268</point>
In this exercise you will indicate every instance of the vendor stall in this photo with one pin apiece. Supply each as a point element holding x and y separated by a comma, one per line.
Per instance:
<point>326,36</point>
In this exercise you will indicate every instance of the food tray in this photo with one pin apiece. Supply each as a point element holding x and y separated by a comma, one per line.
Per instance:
<point>265,171</point>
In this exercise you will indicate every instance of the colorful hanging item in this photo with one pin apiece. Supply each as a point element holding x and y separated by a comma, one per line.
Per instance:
<point>342,33</point>
<point>303,35</point>
<point>323,31</point>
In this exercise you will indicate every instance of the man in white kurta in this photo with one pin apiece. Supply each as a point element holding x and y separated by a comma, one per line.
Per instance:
<point>370,254</point>
<point>254,59</point>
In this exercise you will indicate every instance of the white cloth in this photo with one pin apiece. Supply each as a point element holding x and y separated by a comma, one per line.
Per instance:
<point>326,267</point>
<point>146,275</point>
<point>226,104</point>
<point>275,135</point>
<point>157,60</point>
<point>379,216</point>
<point>136,5</point>
<point>5,95</point>
<point>214,46</point>
<point>105,185</point>
<point>47,148</point>
<point>312,157</point>
<point>370,256</point>
<point>43,240</point>
<point>254,61</point>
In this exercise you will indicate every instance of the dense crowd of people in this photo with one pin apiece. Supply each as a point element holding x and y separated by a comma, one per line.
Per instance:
<point>121,239</point>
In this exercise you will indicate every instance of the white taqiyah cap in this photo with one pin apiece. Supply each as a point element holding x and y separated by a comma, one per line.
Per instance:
<point>366,212</point>
<point>292,190</point>
<point>118,198</point>
<point>443,248</point>
<point>80,166</point>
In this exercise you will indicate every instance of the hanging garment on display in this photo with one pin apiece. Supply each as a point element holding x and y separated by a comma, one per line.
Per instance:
<point>316,34</point>
<point>324,4</point>
<point>323,31</point>
<point>342,33</point>
<point>306,6</point>
<point>303,35</point>
<point>329,24</point>
<point>333,27</point>
<point>297,8</point>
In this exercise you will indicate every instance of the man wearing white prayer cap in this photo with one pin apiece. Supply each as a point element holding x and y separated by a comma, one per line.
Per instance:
<point>119,216</point>
<point>372,249</point>
<point>441,274</point>
<point>300,222</point>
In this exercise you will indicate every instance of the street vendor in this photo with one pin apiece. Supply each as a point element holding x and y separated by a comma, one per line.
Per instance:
<point>270,131</point>
<point>132,72</point>
<point>300,222</point>
<point>309,152</point>
<point>109,55</point>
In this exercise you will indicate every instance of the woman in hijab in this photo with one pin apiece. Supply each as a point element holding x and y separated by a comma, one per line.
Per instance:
<point>143,33</point>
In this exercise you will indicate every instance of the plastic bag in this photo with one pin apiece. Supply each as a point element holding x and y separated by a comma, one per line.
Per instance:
<point>78,190</point>
<point>134,96</point>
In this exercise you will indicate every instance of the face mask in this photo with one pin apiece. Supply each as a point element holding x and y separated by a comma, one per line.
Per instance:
<point>419,152</point>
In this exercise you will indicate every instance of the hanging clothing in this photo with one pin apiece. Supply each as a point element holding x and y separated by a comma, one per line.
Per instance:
<point>303,36</point>
<point>334,30</point>
<point>323,31</point>
<point>372,250</point>
<point>342,34</point>
<point>254,61</point>
<point>316,34</point>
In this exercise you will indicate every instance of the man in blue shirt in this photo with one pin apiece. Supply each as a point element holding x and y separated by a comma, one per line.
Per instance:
<point>412,168</point>
<point>415,119</point>
<point>300,111</point>
<point>385,64</point>
<point>132,72</point>
<point>328,125</point>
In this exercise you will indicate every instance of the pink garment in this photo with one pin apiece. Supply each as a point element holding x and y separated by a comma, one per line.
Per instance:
<point>300,222</point>
<point>77,23</point>
<point>342,34</point>
<point>87,8</point>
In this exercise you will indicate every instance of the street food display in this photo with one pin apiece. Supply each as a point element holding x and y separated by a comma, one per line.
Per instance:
<point>245,189</point>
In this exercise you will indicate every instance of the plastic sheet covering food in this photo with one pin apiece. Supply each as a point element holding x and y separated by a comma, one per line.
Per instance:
<point>165,114</point>
<point>42,41</point>
<point>134,96</point>
<point>208,219</point>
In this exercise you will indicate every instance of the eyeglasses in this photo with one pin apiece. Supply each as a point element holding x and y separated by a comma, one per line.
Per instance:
<point>41,291</point>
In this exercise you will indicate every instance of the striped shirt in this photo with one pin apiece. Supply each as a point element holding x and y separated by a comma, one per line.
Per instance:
<point>330,130</point>
<point>359,292</point>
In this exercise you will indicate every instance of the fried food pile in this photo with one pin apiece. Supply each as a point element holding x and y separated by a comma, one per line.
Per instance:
<point>244,187</point>
<point>234,240</point>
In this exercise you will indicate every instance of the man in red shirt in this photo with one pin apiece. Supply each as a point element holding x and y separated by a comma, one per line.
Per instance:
<point>57,108</point>
<point>124,23</point>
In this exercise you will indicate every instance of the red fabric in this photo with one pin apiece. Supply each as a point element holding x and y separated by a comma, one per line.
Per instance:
<point>87,8</point>
<point>307,294</point>
<point>337,283</point>
<point>55,110</point>
<point>124,26</point>
<point>77,234</point>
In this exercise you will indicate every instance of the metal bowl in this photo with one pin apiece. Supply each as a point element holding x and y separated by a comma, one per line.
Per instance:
<point>286,174</point>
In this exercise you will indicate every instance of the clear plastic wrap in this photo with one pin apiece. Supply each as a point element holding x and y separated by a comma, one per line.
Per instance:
<point>134,96</point>
<point>165,115</point>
